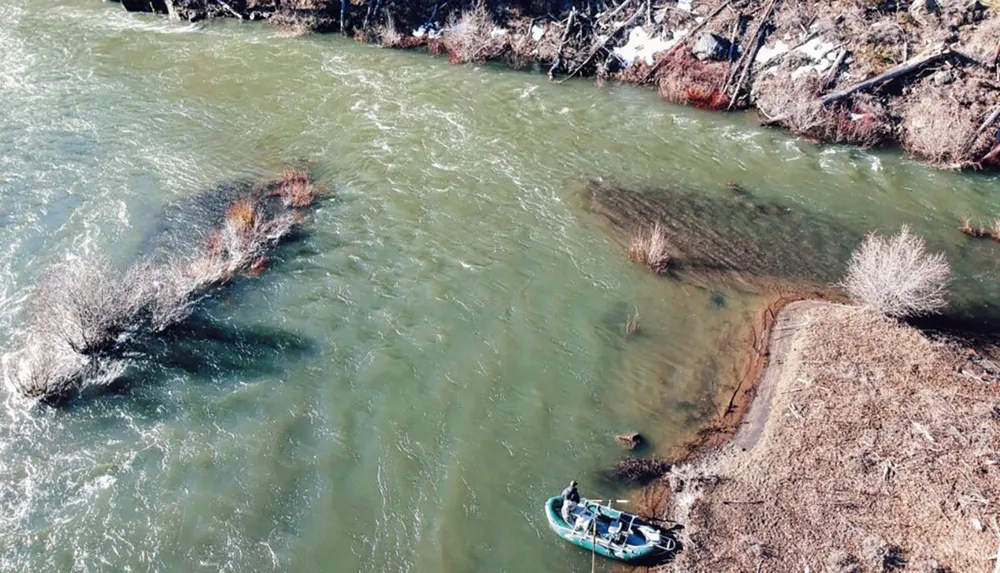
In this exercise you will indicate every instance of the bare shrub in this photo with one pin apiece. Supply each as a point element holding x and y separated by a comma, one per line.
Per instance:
<point>650,247</point>
<point>388,36</point>
<point>88,304</point>
<point>84,311</point>
<point>295,189</point>
<point>793,103</point>
<point>474,37</point>
<point>896,276</point>
<point>936,126</point>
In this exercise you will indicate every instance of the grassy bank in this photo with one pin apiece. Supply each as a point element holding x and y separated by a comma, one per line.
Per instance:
<point>922,75</point>
<point>870,447</point>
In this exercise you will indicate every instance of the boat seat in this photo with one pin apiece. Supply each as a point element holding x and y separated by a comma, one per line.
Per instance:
<point>615,528</point>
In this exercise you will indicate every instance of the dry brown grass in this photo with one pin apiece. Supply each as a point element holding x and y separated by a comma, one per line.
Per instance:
<point>896,276</point>
<point>936,126</point>
<point>794,104</point>
<point>881,447</point>
<point>650,247</point>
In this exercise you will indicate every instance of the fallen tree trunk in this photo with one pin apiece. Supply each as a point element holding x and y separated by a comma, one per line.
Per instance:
<point>913,65</point>
<point>758,35</point>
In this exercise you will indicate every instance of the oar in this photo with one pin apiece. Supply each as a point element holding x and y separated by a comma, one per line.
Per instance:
<point>593,547</point>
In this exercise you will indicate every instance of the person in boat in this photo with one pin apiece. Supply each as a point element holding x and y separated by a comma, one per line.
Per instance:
<point>570,493</point>
<point>571,497</point>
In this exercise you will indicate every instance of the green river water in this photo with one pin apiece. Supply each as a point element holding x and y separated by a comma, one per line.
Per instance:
<point>443,349</point>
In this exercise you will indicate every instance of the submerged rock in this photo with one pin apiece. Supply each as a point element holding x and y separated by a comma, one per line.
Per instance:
<point>629,440</point>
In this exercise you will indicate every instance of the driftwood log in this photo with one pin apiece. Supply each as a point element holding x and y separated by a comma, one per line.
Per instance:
<point>758,40</point>
<point>911,66</point>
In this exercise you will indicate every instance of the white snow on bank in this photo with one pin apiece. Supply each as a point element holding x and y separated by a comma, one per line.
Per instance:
<point>424,31</point>
<point>822,55</point>
<point>684,5</point>
<point>767,53</point>
<point>537,32</point>
<point>641,47</point>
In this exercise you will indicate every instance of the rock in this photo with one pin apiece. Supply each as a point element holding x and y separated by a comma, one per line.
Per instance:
<point>943,77</point>
<point>158,6</point>
<point>711,47</point>
<point>925,7</point>
<point>629,441</point>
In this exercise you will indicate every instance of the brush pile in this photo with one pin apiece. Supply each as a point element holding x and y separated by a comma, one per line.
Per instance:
<point>86,315</point>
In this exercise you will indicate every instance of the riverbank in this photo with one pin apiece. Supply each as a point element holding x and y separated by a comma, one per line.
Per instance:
<point>869,446</point>
<point>921,75</point>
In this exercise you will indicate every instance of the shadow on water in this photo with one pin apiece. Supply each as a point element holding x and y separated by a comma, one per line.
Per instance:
<point>201,349</point>
<point>712,234</point>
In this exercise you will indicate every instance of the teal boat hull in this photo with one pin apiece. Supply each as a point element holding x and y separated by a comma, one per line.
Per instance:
<point>639,542</point>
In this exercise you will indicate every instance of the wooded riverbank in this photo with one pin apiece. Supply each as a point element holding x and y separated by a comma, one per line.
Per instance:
<point>922,75</point>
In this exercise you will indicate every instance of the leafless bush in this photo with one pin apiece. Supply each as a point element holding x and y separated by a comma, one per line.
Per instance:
<point>793,103</point>
<point>897,276</point>
<point>473,37</point>
<point>388,36</point>
<point>684,79</point>
<point>84,309</point>
<point>650,247</point>
<point>88,304</point>
<point>936,127</point>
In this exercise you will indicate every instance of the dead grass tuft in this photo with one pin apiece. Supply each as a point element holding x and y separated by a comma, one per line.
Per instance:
<point>632,323</point>
<point>632,470</point>
<point>650,247</point>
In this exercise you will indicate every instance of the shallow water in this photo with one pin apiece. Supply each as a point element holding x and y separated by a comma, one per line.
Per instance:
<point>441,352</point>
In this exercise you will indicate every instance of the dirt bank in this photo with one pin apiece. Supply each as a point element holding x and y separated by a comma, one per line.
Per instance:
<point>869,447</point>
<point>922,74</point>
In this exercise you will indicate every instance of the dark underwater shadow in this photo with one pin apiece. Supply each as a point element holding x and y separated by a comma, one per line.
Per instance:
<point>200,350</point>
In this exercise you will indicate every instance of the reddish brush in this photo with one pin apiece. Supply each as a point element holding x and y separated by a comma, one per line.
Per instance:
<point>242,216</point>
<point>685,79</point>
<point>295,189</point>
<point>258,266</point>
<point>712,99</point>
<point>436,47</point>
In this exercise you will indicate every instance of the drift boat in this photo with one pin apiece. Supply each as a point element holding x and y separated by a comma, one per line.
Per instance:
<point>610,532</point>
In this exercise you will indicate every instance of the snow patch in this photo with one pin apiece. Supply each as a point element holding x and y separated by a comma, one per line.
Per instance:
<point>817,49</point>
<point>642,47</point>
<point>768,53</point>
<point>537,32</point>
<point>684,5</point>
<point>429,32</point>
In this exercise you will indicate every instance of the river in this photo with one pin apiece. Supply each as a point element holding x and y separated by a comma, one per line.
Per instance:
<point>443,349</point>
